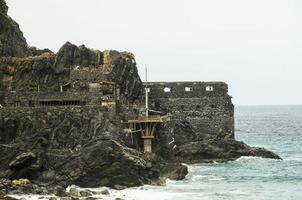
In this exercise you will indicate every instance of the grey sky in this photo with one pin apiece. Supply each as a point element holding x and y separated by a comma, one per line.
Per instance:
<point>253,45</point>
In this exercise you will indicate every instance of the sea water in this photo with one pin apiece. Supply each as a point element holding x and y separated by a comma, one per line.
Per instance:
<point>277,128</point>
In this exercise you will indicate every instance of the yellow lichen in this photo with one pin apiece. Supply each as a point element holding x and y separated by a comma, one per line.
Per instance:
<point>106,57</point>
<point>11,70</point>
<point>21,181</point>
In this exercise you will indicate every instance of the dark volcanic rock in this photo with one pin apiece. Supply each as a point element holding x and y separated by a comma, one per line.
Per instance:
<point>48,70</point>
<point>70,55</point>
<point>103,163</point>
<point>12,42</point>
<point>33,51</point>
<point>3,7</point>
<point>219,150</point>
<point>2,197</point>
<point>174,171</point>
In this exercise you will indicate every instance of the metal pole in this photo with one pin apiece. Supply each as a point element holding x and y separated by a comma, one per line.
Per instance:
<point>146,93</point>
<point>146,73</point>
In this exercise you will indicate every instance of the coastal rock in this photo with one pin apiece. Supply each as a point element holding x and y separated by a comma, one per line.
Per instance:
<point>105,192</point>
<point>59,191</point>
<point>219,151</point>
<point>3,197</point>
<point>103,163</point>
<point>91,198</point>
<point>174,171</point>
<point>86,193</point>
<point>119,187</point>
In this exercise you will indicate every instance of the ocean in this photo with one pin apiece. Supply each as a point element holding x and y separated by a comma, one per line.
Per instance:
<point>277,128</point>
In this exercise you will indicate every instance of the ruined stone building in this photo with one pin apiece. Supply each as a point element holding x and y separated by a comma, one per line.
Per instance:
<point>205,105</point>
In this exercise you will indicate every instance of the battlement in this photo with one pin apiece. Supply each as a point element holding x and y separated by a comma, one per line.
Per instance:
<point>186,89</point>
<point>206,105</point>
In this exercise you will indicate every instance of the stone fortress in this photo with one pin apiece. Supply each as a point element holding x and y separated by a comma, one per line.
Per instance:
<point>206,105</point>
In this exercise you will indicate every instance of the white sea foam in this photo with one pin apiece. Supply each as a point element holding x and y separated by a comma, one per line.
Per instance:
<point>251,159</point>
<point>31,196</point>
<point>216,179</point>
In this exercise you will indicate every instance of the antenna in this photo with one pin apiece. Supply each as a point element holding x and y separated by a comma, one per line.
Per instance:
<point>146,73</point>
<point>146,92</point>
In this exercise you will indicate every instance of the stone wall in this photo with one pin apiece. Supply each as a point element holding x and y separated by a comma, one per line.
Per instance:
<point>205,105</point>
<point>187,89</point>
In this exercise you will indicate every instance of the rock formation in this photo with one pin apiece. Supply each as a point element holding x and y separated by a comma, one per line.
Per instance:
<point>12,42</point>
<point>56,130</point>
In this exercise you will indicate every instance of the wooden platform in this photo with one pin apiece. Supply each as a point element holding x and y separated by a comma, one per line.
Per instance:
<point>146,126</point>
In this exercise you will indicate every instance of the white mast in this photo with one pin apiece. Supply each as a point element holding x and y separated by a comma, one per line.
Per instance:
<point>146,92</point>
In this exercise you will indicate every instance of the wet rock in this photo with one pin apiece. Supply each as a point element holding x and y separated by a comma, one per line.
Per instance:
<point>52,198</point>
<point>86,193</point>
<point>74,192</point>
<point>119,187</point>
<point>69,198</point>
<point>219,151</point>
<point>59,191</point>
<point>91,198</point>
<point>3,197</point>
<point>174,171</point>
<point>66,198</point>
<point>105,192</point>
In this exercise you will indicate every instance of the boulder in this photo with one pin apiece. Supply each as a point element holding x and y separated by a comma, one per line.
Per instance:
<point>103,163</point>
<point>174,171</point>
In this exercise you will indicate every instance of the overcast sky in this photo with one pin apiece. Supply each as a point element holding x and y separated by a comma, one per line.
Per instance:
<point>253,45</point>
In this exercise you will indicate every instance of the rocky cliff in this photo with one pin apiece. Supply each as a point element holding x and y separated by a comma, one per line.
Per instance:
<point>48,70</point>
<point>12,42</point>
